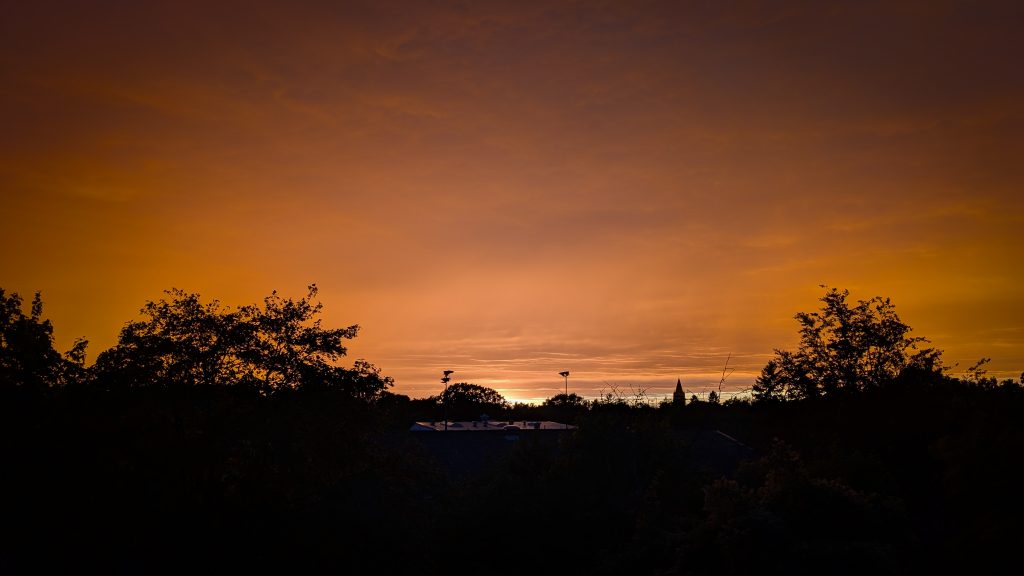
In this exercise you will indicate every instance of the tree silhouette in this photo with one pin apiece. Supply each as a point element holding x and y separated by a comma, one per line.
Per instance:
<point>571,400</point>
<point>564,408</point>
<point>27,356</point>
<point>277,346</point>
<point>844,347</point>
<point>469,401</point>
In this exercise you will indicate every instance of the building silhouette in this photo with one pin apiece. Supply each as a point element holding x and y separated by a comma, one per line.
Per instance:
<point>679,397</point>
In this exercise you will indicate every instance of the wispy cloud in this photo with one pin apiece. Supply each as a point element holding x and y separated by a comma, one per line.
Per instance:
<point>521,188</point>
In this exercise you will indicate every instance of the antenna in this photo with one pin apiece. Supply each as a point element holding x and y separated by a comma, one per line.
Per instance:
<point>725,375</point>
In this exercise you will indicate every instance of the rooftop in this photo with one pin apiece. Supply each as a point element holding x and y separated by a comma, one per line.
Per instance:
<point>489,425</point>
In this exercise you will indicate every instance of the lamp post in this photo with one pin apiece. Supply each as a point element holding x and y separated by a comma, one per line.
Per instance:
<point>565,374</point>
<point>444,396</point>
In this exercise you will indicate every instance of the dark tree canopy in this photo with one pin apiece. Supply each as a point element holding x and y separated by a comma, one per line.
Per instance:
<point>571,400</point>
<point>469,401</point>
<point>844,348</point>
<point>277,346</point>
<point>27,356</point>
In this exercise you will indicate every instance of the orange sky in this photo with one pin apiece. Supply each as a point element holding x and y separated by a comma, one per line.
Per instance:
<point>511,189</point>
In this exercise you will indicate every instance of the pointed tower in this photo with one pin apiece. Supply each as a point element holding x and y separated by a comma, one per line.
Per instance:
<point>679,397</point>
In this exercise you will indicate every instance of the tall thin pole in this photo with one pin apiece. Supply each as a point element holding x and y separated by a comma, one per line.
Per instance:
<point>565,374</point>
<point>444,396</point>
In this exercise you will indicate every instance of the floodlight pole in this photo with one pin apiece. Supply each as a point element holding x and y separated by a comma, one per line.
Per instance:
<point>565,374</point>
<point>444,396</point>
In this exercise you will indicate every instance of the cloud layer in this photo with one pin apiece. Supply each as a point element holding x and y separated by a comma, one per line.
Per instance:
<point>631,192</point>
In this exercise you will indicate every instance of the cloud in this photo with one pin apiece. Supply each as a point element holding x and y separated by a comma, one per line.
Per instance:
<point>510,184</point>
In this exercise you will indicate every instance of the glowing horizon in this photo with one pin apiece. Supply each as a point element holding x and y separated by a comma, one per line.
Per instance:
<point>629,193</point>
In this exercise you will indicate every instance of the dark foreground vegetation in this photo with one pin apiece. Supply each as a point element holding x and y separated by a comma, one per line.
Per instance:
<point>230,439</point>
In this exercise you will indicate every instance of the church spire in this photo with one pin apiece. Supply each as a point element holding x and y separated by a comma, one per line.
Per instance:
<point>679,397</point>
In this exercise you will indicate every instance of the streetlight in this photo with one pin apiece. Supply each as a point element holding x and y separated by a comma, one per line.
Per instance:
<point>565,374</point>
<point>444,396</point>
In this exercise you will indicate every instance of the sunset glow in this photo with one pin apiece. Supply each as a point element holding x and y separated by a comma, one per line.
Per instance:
<point>633,192</point>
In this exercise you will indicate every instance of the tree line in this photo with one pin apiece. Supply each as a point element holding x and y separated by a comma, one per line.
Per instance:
<point>281,344</point>
<point>217,438</point>
<point>180,341</point>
